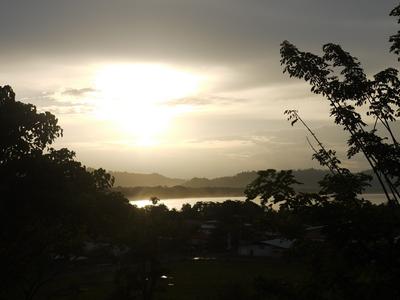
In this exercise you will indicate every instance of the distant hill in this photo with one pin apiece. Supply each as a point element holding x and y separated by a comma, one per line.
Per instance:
<point>240,180</point>
<point>309,178</point>
<point>125,179</point>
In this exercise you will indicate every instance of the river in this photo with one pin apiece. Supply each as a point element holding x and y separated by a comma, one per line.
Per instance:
<point>177,203</point>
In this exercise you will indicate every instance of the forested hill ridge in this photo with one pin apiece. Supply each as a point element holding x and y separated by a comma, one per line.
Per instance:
<point>309,178</point>
<point>125,179</point>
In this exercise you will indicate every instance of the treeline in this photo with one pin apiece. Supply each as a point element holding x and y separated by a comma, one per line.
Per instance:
<point>163,192</point>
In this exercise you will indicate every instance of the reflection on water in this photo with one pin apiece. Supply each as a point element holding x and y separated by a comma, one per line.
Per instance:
<point>177,203</point>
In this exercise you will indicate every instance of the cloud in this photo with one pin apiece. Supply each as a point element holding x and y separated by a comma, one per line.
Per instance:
<point>58,102</point>
<point>52,45</point>
<point>78,92</point>
<point>205,100</point>
<point>73,109</point>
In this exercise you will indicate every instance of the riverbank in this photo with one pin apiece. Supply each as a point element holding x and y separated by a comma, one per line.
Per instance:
<point>178,192</point>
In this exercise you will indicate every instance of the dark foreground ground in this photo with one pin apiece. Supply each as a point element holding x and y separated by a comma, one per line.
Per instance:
<point>186,279</point>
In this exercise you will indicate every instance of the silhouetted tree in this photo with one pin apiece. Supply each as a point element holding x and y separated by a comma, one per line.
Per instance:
<point>272,186</point>
<point>23,131</point>
<point>49,202</point>
<point>357,258</point>
<point>339,77</point>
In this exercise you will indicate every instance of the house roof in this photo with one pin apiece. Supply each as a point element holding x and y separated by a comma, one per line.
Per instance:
<point>310,228</point>
<point>208,226</point>
<point>279,243</point>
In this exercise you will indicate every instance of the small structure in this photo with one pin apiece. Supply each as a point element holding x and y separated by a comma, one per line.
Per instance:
<point>208,227</point>
<point>315,233</point>
<point>201,238</point>
<point>268,248</point>
<point>104,248</point>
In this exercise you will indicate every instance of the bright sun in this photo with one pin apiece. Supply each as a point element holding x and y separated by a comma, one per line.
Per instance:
<point>136,96</point>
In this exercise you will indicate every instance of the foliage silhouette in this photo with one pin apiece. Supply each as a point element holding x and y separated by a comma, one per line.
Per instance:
<point>357,257</point>
<point>50,203</point>
<point>23,131</point>
<point>339,77</point>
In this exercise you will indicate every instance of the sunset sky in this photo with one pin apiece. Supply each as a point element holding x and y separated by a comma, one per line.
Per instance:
<point>184,87</point>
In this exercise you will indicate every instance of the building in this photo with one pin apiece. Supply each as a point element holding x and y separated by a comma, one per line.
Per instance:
<point>268,248</point>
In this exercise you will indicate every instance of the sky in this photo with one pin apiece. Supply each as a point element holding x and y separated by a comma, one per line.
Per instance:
<point>184,87</point>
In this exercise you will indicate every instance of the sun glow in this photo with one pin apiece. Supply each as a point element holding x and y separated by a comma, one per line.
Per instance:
<point>136,98</point>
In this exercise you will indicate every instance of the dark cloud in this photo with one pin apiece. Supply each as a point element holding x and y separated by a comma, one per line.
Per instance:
<point>241,35</point>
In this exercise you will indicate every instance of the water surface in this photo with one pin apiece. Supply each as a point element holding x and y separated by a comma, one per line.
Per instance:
<point>177,203</point>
